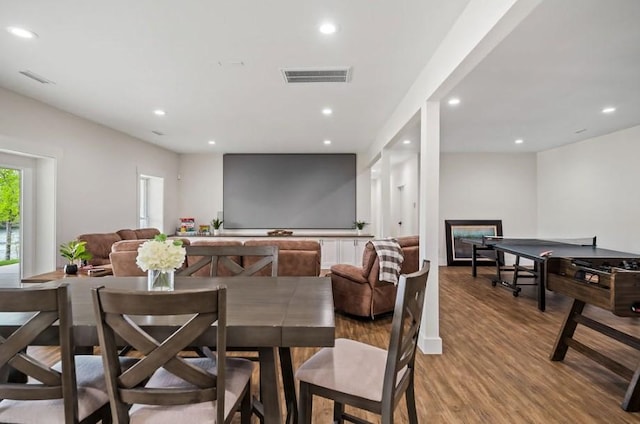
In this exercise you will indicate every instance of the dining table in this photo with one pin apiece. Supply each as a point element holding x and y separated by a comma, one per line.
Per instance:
<point>267,314</point>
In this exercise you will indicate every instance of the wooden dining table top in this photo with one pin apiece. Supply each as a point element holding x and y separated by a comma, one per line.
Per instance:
<point>261,311</point>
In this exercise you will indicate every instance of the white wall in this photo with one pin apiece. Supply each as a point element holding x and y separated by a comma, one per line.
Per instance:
<point>489,186</point>
<point>200,187</point>
<point>200,190</point>
<point>95,169</point>
<point>590,188</point>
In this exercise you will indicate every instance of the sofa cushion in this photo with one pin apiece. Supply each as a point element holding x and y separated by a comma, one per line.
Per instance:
<point>126,245</point>
<point>127,234</point>
<point>99,245</point>
<point>146,233</point>
<point>408,241</point>
<point>297,258</point>
<point>411,251</point>
<point>352,272</point>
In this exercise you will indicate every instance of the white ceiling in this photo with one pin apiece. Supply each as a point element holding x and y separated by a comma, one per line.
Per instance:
<point>115,62</point>
<point>550,78</point>
<point>214,66</point>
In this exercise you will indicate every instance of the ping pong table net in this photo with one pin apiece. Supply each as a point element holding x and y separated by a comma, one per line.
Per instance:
<point>531,241</point>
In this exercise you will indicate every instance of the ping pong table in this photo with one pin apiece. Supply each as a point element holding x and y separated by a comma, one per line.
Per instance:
<point>539,251</point>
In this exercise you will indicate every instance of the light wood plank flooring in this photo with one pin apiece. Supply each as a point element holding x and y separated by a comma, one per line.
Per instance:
<point>495,367</point>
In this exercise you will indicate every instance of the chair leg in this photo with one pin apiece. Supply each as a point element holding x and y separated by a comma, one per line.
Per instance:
<point>410,397</point>
<point>305,406</point>
<point>245,407</point>
<point>338,411</point>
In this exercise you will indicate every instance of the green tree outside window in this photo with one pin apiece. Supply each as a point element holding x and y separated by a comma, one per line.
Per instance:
<point>9,203</point>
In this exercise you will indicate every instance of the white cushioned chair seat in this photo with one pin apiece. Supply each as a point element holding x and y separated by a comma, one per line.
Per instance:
<point>350,367</point>
<point>92,394</point>
<point>238,373</point>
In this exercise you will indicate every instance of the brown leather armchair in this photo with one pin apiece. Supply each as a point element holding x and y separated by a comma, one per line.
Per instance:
<point>358,291</point>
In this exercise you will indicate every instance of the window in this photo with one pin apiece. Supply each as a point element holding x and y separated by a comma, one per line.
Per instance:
<point>151,202</point>
<point>143,187</point>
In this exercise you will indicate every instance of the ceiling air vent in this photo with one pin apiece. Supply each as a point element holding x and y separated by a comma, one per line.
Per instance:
<point>297,75</point>
<point>36,77</point>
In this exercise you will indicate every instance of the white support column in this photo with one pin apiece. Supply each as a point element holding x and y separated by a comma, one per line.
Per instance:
<point>385,189</point>
<point>429,340</point>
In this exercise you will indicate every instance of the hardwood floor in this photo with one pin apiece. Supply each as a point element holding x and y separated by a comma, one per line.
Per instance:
<point>495,367</point>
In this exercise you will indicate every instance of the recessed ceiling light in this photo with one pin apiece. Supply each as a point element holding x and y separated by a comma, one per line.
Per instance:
<point>609,109</point>
<point>159,112</point>
<point>327,142</point>
<point>407,142</point>
<point>454,101</point>
<point>21,32</point>
<point>327,111</point>
<point>212,142</point>
<point>328,28</point>
<point>519,141</point>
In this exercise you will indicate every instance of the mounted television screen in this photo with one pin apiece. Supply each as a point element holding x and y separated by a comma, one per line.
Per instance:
<point>310,191</point>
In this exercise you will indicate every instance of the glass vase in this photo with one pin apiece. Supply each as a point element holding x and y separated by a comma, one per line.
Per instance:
<point>158,280</point>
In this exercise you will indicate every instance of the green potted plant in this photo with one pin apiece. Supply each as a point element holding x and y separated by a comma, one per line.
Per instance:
<point>359,225</point>
<point>75,252</point>
<point>216,224</point>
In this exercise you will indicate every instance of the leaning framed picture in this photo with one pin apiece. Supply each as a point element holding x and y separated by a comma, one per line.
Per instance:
<point>459,252</point>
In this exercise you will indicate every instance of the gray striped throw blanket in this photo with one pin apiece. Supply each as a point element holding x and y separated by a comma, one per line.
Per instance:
<point>391,257</point>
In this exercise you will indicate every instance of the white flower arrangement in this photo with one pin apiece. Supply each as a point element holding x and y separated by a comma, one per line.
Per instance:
<point>161,254</point>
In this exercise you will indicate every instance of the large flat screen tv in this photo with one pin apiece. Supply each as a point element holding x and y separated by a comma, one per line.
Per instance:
<point>297,191</point>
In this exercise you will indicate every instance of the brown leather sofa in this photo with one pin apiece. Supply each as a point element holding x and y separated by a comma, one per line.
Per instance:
<point>358,291</point>
<point>123,257</point>
<point>295,257</point>
<point>99,244</point>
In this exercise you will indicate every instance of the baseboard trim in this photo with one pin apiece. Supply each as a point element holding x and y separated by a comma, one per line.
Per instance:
<point>430,345</point>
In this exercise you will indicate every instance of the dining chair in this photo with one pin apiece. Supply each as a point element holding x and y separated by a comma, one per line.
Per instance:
<point>72,390</point>
<point>236,260</point>
<point>364,376</point>
<point>164,387</point>
<point>241,260</point>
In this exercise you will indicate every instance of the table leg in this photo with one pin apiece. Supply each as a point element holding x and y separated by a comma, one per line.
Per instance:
<point>631,400</point>
<point>269,386</point>
<point>474,255</point>
<point>566,331</point>
<point>289,385</point>
<point>540,268</point>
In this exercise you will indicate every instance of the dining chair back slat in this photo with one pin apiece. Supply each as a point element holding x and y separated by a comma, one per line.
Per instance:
<point>231,258</point>
<point>40,381</point>
<point>242,260</point>
<point>117,312</point>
